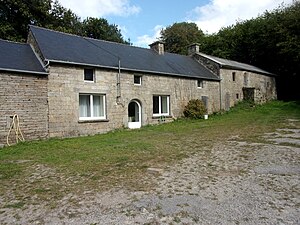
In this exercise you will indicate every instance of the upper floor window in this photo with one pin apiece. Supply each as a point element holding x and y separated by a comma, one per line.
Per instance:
<point>161,105</point>
<point>89,75</point>
<point>200,83</point>
<point>233,76</point>
<point>91,106</point>
<point>137,80</point>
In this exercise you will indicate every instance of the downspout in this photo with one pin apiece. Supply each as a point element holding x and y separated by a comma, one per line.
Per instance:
<point>46,67</point>
<point>118,100</point>
<point>220,87</point>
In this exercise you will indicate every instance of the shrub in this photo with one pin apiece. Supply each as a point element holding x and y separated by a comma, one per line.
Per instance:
<point>195,109</point>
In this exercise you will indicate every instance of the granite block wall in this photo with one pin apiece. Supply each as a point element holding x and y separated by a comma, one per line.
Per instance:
<point>67,82</point>
<point>233,82</point>
<point>24,95</point>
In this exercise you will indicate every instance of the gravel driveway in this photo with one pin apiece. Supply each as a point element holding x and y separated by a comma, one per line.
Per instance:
<point>233,182</point>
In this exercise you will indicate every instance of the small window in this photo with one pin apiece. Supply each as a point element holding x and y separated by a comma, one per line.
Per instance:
<point>237,96</point>
<point>137,80</point>
<point>233,76</point>
<point>91,107</point>
<point>200,83</point>
<point>89,75</point>
<point>161,105</point>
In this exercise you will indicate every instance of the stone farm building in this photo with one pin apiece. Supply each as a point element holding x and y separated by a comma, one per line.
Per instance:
<point>63,85</point>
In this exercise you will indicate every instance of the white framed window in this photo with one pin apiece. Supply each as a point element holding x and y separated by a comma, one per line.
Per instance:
<point>137,80</point>
<point>200,83</point>
<point>88,75</point>
<point>91,107</point>
<point>161,105</point>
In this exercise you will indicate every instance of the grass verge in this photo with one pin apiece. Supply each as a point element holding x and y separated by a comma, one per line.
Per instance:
<point>48,170</point>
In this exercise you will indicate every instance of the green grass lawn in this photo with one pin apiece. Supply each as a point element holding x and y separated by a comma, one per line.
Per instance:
<point>49,169</point>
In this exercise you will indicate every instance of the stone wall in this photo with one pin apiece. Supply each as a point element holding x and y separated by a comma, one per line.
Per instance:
<point>180,90</point>
<point>232,91</point>
<point>66,82</point>
<point>35,47</point>
<point>209,64</point>
<point>26,96</point>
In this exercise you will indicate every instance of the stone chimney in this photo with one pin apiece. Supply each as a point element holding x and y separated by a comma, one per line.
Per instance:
<point>193,49</point>
<point>158,46</point>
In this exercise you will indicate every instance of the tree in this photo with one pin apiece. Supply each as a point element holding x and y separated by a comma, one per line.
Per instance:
<point>270,41</point>
<point>16,15</point>
<point>101,29</point>
<point>63,19</point>
<point>178,36</point>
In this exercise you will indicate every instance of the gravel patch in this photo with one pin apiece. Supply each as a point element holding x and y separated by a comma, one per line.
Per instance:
<point>233,182</point>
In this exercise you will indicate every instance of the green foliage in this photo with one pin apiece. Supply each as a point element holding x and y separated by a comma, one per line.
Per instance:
<point>101,29</point>
<point>178,36</point>
<point>270,41</point>
<point>195,109</point>
<point>64,20</point>
<point>16,15</point>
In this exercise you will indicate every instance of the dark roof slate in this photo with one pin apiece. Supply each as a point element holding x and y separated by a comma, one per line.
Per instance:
<point>235,65</point>
<point>19,57</point>
<point>66,48</point>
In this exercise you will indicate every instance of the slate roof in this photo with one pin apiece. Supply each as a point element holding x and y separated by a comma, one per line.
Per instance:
<point>19,57</point>
<point>225,63</point>
<point>66,48</point>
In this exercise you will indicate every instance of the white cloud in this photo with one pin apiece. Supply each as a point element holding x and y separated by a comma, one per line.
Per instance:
<point>101,8</point>
<point>145,40</point>
<point>222,13</point>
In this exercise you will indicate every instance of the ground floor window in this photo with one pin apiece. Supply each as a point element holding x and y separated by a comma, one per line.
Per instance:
<point>91,106</point>
<point>161,105</point>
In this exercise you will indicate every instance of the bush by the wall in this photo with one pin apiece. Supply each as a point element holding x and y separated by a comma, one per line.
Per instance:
<point>195,109</point>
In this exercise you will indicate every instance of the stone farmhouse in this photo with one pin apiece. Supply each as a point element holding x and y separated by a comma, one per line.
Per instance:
<point>63,85</point>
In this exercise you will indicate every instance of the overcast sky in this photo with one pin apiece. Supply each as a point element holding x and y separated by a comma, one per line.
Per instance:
<point>142,20</point>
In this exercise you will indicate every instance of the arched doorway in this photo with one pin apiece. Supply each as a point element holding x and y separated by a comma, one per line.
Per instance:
<point>134,115</point>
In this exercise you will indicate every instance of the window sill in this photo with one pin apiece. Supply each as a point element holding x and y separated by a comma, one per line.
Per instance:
<point>93,121</point>
<point>157,117</point>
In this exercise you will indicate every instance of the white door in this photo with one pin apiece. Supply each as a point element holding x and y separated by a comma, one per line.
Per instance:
<point>134,115</point>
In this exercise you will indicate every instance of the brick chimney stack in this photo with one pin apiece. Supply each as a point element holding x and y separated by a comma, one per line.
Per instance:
<point>158,46</point>
<point>193,48</point>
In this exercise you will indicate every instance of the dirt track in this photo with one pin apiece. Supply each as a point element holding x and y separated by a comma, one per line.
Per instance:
<point>234,182</point>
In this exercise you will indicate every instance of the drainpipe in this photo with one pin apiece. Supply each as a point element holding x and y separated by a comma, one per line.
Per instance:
<point>119,83</point>
<point>46,67</point>
<point>220,87</point>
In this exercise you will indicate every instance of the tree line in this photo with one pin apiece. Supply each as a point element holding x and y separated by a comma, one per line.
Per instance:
<point>271,41</point>
<point>16,15</point>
